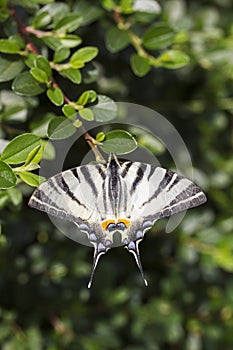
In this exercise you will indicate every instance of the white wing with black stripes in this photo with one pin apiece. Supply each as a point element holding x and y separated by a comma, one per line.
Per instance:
<point>115,197</point>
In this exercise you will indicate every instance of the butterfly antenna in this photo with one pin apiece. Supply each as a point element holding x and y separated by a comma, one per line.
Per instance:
<point>133,248</point>
<point>97,254</point>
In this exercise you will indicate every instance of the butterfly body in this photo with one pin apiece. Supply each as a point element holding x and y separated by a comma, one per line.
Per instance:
<point>125,198</point>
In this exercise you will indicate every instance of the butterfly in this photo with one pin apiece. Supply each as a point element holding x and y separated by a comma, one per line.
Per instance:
<point>116,197</point>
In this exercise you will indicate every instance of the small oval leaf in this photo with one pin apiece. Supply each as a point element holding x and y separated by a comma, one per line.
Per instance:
<point>84,54</point>
<point>87,114</point>
<point>72,74</point>
<point>116,39</point>
<point>60,128</point>
<point>43,64</point>
<point>7,177</point>
<point>119,142</point>
<point>69,111</point>
<point>56,96</point>
<point>17,150</point>
<point>158,36</point>
<point>25,84</point>
<point>31,179</point>
<point>39,75</point>
<point>105,110</point>
<point>61,54</point>
<point>140,65</point>
<point>9,68</point>
<point>68,23</point>
<point>173,59</point>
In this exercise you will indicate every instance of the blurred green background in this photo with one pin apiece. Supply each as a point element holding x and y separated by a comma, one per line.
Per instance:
<point>44,302</point>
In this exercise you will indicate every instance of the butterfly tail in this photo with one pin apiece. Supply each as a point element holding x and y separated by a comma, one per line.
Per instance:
<point>133,248</point>
<point>99,250</point>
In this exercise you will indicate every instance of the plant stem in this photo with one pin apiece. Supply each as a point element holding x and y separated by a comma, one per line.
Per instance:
<point>136,41</point>
<point>31,47</point>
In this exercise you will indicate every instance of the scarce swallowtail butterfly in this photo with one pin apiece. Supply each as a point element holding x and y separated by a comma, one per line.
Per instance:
<point>125,197</point>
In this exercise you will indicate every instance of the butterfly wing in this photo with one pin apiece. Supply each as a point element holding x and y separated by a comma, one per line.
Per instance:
<point>73,195</point>
<point>155,193</point>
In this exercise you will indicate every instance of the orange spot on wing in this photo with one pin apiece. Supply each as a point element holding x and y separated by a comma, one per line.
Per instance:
<point>125,221</point>
<point>106,223</point>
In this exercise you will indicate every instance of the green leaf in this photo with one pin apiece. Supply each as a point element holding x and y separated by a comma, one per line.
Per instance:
<point>88,13</point>
<point>25,84</point>
<point>147,6</point>
<point>158,36</point>
<point>9,46</point>
<point>10,68</point>
<point>31,179</point>
<point>116,39</point>
<point>100,136</point>
<point>42,63</point>
<point>30,60</point>
<point>72,74</point>
<point>84,55</point>
<point>61,54</point>
<point>105,110</point>
<point>108,4</point>
<point>86,113</point>
<point>77,123</point>
<point>34,156</point>
<point>52,42</point>
<point>15,196</point>
<point>119,142</point>
<point>173,59</point>
<point>70,40</point>
<point>140,65</point>
<point>42,19</point>
<point>7,176</point>
<point>39,75</point>
<point>68,23</point>
<point>60,128</point>
<point>17,150</point>
<point>87,96</point>
<point>56,96</point>
<point>69,111</point>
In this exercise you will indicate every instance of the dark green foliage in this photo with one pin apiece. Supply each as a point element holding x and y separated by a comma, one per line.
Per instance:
<point>75,60</point>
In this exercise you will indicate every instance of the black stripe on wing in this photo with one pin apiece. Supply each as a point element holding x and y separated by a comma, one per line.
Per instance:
<point>102,171</point>
<point>163,183</point>
<point>65,187</point>
<point>125,168</point>
<point>87,175</point>
<point>75,173</point>
<point>139,176</point>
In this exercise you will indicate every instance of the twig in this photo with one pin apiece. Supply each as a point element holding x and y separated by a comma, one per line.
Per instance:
<point>31,47</point>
